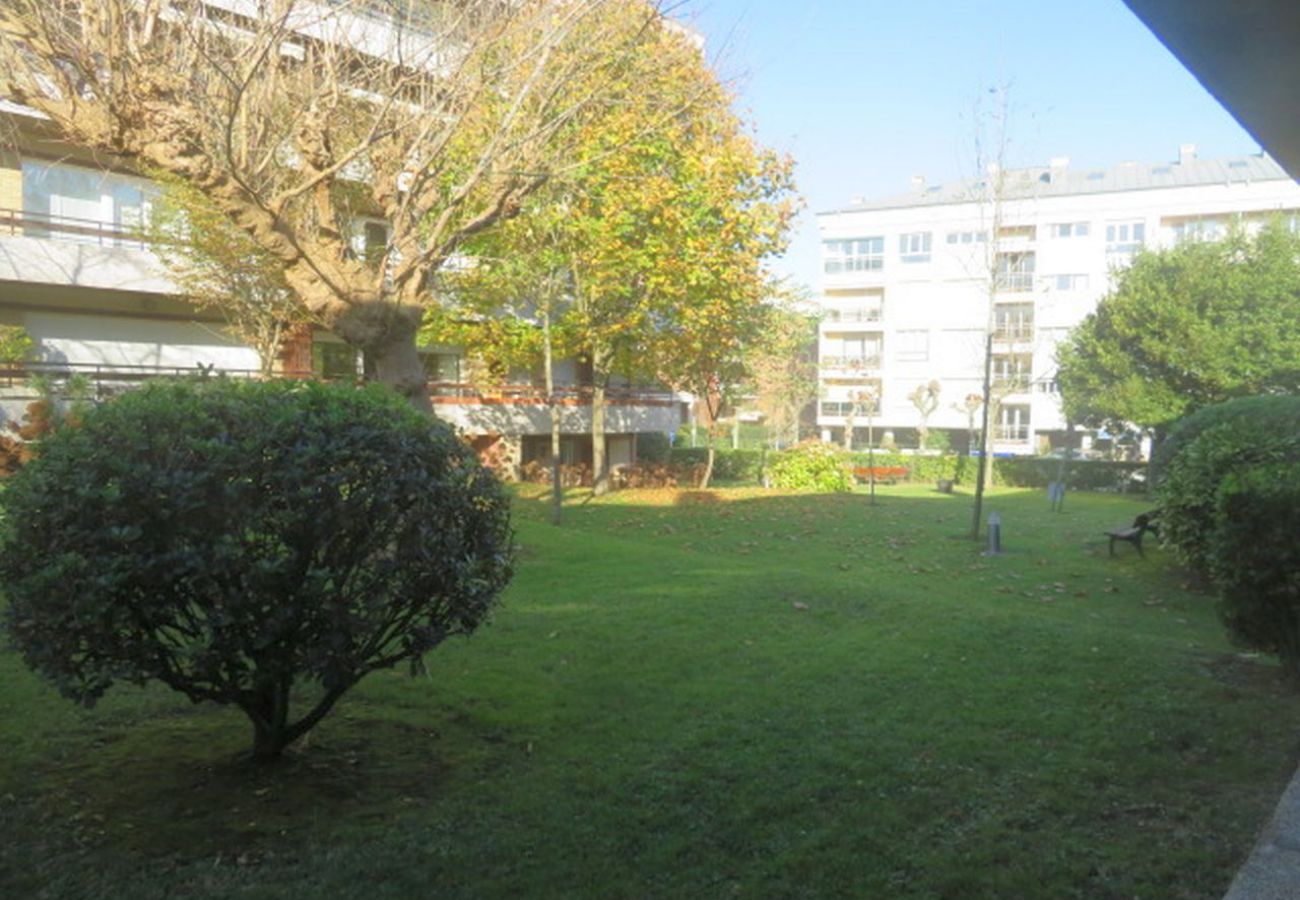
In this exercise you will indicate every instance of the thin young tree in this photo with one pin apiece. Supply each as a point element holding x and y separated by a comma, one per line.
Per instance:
<point>303,121</point>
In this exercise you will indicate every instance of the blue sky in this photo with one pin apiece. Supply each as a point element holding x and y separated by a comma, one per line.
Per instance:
<point>864,94</point>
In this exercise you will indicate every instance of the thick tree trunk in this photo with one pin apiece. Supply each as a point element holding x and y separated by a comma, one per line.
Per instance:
<point>599,462</point>
<point>708,467</point>
<point>386,335</point>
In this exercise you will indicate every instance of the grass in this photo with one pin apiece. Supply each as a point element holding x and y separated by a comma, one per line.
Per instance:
<point>712,694</point>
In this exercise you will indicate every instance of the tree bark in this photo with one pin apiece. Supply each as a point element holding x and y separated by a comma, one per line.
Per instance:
<point>599,380</point>
<point>708,466</point>
<point>386,335</point>
<point>986,443</point>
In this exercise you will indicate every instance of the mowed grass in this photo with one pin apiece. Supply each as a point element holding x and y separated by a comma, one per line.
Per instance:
<point>724,694</point>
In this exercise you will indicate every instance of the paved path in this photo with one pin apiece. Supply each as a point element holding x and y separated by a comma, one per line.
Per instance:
<point>1273,870</point>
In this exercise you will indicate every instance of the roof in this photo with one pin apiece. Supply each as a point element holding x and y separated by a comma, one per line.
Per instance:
<point>1062,181</point>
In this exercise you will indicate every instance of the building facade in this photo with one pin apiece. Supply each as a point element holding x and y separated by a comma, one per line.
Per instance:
<point>907,282</point>
<point>76,275</point>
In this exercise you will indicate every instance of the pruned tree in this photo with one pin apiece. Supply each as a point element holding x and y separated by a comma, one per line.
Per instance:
<point>925,397</point>
<point>305,122</point>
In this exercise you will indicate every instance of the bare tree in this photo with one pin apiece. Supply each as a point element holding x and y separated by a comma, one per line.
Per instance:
<point>308,124</point>
<point>926,400</point>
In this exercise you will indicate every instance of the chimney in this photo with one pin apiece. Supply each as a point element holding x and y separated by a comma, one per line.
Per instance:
<point>1186,153</point>
<point>918,182</point>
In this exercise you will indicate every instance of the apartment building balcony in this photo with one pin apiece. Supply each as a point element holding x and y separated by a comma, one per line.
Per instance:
<point>871,315</point>
<point>40,248</point>
<point>1011,384</point>
<point>1011,434</point>
<point>1014,282</point>
<point>1014,334</point>
<point>849,363</point>
<point>476,409</point>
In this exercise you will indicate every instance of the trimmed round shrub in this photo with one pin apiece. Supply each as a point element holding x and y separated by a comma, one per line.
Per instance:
<point>1244,435</point>
<point>1255,560</point>
<point>245,543</point>
<point>811,466</point>
<point>1274,413</point>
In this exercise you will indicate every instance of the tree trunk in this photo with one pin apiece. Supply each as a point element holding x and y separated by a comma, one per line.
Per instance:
<point>708,467</point>
<point>599,379</point>
<point>557,487</point>
<point>386,335</point>
<point>986,443</point>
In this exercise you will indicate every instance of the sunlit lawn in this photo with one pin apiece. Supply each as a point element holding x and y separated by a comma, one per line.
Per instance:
<point>712,695</point>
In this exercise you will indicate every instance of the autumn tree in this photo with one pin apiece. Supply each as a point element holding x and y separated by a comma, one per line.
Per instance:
<point>221,269</point>
<point>782,372</point>
<point>1185,327</point>
<point>303,121</point>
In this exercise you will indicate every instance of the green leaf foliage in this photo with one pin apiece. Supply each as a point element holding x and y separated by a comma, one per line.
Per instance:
<point>232,540</point>
<point>1188,326</point>
<point>1278,413</point>
<point>811,466</point>
<point>1244,435</point>
<point>1255,559</point>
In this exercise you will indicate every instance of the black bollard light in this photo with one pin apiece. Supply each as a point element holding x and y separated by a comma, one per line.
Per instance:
<point>995,535</point>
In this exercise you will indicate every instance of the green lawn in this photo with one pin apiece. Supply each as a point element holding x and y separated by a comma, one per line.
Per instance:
<point>733,694</point>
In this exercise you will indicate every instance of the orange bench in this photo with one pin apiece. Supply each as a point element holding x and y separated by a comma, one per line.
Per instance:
<point>887,474</point>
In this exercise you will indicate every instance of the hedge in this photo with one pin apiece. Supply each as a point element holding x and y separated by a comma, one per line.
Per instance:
<point>1277,414</point>
<point>741,466</point>
<point>1255,560</point>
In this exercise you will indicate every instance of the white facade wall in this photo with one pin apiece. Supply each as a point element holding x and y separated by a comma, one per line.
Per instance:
<point>933,313</point>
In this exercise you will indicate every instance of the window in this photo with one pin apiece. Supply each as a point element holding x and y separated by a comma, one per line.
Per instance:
<point>1069,282</point>
<point>333,360</point>
<point>914,248</point>
<point>1069,229</point>
<point>913,345</point>
<point>441,368</point>
<point>1013,423</point>
<point>967,237</point>
<point>1197,230</point>
<point>852,351</point>
<point>1015,271</point>
<point>83,205</point>
<point>857,255</point>
<point>1012,371</point>
<point>1125,237</point>
<point>1013,321</point>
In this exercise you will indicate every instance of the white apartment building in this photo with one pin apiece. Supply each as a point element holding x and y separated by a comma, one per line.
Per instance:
<point>905,285</point>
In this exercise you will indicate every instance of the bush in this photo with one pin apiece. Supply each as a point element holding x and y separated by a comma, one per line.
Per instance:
<point>653,447</point>
<point>811,466</point>
<point>232,540</point>
<point>1272,413</point>
<point>1191,479</point>
<point>1081,474</point>
<point>742,466</point>
<point>1255,560</point>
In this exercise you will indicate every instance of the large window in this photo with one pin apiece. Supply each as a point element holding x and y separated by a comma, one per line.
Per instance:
<point>1011,371</point>
<point>1013,423</point>
<point>1013,321</point>
<point>1125,238</point>
<point>1068,229</point>
<point>915,247</point>
<point>912,345</point>
<point>1197,230</point>
<point>857,255</point>
<point>82,204</point>
<point>1069,282</point>
<point>967,237</point>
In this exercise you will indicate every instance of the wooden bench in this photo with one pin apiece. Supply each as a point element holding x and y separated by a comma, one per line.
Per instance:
<point>1133,533</point>
<point>886,474</point>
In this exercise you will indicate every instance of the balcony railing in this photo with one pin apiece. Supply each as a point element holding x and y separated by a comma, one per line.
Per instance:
<point>1011,434</point>
<point>107,380</point>
<point>869,314</point>
<point>850,362</point>
<point>1015,384</point>
<point>1015,282</point>
<point>1013,333</point>
<point>15,222</point>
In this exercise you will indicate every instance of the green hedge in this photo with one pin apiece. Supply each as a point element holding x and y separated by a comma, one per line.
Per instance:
<point>741,466</point>
<point>1255,559</point>
<point>1082,474</point>
<point>1275,414</point>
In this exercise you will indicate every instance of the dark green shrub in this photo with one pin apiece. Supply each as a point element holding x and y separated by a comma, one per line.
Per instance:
<point>1255,560</point>
<point>1081,474</point>
<point>811,466</point>
<point>1191,481</point>
<point>233,540</point>
<point>739,466</point>
<point>653,447</point>
<point>1275,414</point>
